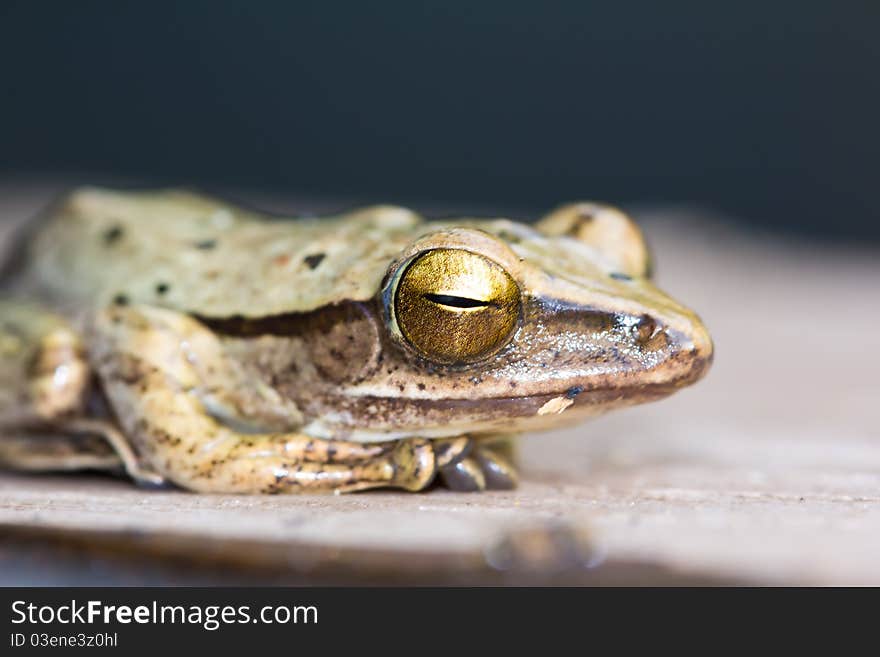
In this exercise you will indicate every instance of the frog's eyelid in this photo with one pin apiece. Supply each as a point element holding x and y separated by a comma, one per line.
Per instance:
<point>456,302</point>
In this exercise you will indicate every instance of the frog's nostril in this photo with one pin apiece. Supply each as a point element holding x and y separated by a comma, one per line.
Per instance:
<point>646,329</point>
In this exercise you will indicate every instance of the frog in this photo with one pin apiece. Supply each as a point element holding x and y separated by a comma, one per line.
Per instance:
<point>186,341</point>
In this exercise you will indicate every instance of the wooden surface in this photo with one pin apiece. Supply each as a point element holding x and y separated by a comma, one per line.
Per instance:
<point>768,471</point>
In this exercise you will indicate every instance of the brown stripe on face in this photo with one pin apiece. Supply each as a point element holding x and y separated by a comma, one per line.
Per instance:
<point>341,341</point>
<point>286,324</point>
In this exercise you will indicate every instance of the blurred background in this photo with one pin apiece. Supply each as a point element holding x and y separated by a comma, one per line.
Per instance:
<point>766,111</point>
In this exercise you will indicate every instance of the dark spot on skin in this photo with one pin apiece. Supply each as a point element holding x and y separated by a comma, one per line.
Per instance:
<point>513,384</point>
<point>401,386</point>
<point>620,276</point>
<point>573,392</point>
<point>314,260</point>
<point>206,245</point>
<point>421,386</point>
<point>162,288</point>
<point>120,300</point>
<point>113,235</point>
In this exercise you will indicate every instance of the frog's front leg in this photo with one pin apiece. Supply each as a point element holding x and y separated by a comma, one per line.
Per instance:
<point>149,360</point>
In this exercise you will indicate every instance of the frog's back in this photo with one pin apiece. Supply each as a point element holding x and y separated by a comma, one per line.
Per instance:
<point>201,255</point>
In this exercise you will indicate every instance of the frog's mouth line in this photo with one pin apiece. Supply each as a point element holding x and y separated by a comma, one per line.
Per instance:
<point>574,396</point>
<point>577,395</point>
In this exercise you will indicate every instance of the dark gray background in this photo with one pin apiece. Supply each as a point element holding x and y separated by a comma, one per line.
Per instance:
<point>765,110</point>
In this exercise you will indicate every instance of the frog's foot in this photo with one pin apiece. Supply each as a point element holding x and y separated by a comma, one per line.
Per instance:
<point>409,464</point>
<point>44,375</point>
<point>462,463</point>
<point>78,444</point>
<point>126,458</point>
<point>49,450</point>
<point>483,465</point>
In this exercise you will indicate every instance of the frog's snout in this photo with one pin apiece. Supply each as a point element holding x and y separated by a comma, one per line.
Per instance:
<point>702,346</point>
<point>695,349</point>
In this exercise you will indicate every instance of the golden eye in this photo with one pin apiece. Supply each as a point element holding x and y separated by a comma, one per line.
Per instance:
<point>454,306</point>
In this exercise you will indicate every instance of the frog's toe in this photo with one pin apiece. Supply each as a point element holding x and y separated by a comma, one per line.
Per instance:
<point>480,470</point>
<point>451,450</point>
<point>464,476</point>
<point>413,464</point>
<point>152,481</point>
<point>500,474</point>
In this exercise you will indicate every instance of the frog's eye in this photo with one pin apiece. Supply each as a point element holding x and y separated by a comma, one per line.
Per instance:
<point>454,306</point>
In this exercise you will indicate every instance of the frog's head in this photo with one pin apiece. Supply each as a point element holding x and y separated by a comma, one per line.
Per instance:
<point>491,326</point>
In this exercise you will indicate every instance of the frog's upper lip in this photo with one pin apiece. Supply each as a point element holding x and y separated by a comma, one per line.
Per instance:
<point>635,391</point>
<point>696,361</point>
<point>585,392</point>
